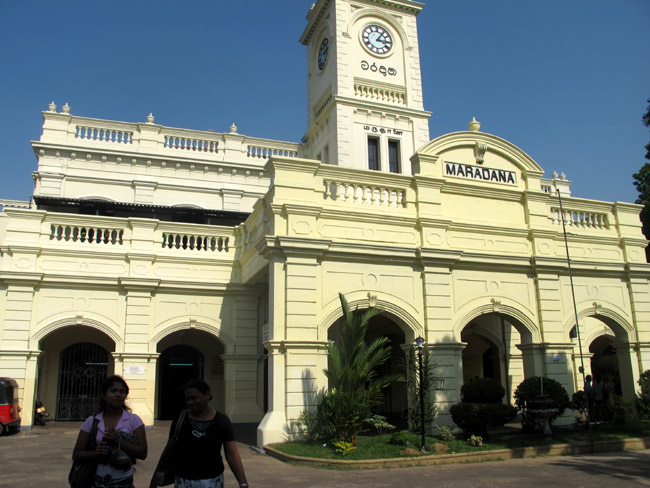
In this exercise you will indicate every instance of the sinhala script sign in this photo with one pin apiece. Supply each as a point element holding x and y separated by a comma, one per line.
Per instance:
<point>471,172</point>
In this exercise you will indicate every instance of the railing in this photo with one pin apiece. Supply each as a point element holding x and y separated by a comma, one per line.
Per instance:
<point>580,218</point>
<point>86,234</point>
<point>192,242</point>
<point>265,152</point>
<point>150,138</point>
<point>364,194</point>
<point>103,134</point>
<point>381,94</point>
<point>189,144</point>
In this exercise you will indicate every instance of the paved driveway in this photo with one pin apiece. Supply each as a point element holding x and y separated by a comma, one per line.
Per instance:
<point>42,459</point>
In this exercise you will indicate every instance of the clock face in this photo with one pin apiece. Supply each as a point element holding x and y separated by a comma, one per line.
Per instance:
<point>377,39</point>
<point>322,53</point>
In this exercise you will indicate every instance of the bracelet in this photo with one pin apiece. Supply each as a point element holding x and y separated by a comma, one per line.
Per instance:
<point>243,485</point>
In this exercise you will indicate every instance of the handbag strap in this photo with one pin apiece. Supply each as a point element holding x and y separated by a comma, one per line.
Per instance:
<point>179,422</point>
<point>92,440</point>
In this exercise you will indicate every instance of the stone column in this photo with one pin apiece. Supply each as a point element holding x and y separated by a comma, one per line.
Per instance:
<point>448,360</point>
<point>578,361</point>
<point>139,372</point>
<point>642,349</point>
<point>559,366</point>
<point>628,368</point>
<point>135,362</point>
<point>305,362</point>
<point>23,367</point>
<point>17,359</point>
<point>240,378</point>
<point>273,427</point>
<point>533,359</point>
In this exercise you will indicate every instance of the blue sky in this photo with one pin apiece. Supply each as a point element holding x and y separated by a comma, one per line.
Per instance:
<point>565,80</point>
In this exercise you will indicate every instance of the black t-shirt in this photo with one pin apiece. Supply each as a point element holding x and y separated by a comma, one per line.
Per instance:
<point>198,452</point>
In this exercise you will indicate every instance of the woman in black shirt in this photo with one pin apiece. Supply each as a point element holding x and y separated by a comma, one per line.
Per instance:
<point>197,458</point>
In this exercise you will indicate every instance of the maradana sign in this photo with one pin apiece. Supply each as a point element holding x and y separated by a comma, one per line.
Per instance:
<point>480,173</point>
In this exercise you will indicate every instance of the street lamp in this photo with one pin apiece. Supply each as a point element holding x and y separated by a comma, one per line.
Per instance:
<point>575,311</point>
<point>420,343</point>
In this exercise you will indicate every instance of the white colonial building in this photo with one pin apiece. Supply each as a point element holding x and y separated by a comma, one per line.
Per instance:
<point>163,254</point>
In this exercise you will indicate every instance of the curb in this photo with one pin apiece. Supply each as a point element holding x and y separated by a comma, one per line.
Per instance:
<point>582,447</point>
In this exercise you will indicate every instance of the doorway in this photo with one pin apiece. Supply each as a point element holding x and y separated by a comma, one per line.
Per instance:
<point>179,364</point>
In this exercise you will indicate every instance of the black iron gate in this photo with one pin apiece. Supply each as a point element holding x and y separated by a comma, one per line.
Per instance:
<point>82,369</point>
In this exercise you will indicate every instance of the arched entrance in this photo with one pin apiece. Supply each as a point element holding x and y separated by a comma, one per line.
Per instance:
<point>186,355</point>
<point>491,351</point>
<point>395,401</point>
<point>604,363</point>
<point>612,357</point>
<point>75,361</point>
<point>480,359</point>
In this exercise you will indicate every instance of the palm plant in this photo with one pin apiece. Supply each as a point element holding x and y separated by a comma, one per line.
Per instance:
<point>413,385</point>
<point>355,385</point>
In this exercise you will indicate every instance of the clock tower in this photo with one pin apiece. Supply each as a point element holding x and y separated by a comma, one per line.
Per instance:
<point>364,86</point>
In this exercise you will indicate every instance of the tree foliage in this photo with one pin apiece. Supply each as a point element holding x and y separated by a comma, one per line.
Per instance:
<point>643,399</point>
<point>355,386</point>
<point>480,407</point>
<point>642,184</point>
<point>527,392</point>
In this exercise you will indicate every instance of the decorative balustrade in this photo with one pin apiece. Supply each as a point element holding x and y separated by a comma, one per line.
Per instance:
<point>154,139</point>
<point>546,188</point>
<point>364,194</point>
<point>265,152</point>
<point>580,218</point>
<point>103,134</point>
<point>190,144</point>
<point>192,242</point>
<point>86,234</point>
<point>382,94</point>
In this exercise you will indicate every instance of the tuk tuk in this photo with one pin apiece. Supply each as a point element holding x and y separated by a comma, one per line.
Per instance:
<point>9,408</point>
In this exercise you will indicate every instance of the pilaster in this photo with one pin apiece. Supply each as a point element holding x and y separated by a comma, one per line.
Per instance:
<point>448,360</point>
<point>22,366</point>
<point>240,374</point>
<point>273,427</point>
<point>139,372</point>
<point>138,313</point>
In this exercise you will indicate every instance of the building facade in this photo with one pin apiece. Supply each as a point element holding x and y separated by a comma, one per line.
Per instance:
<point>164,254</point>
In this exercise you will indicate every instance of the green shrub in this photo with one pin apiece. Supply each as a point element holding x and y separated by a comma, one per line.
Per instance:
<point>379,423</point>
<point>445,432</point>
<point>308,425</point>
<point>578,404</point>
<point>623,411</point>
<point>474,418</point>
<point>482,390</point>
<point>399,438</point>
<point>475,440</point>
<point>529,389</point>
<point>643,400</point>
<point>343,448</point>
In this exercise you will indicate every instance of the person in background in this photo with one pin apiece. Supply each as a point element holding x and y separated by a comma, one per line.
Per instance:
<point>120,437</point>
<point>197,459</point>
<point>601,394</point>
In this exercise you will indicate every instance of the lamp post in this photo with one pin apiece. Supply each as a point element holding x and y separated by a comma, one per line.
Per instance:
<point>575,311</point>
<point>420,343</point>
